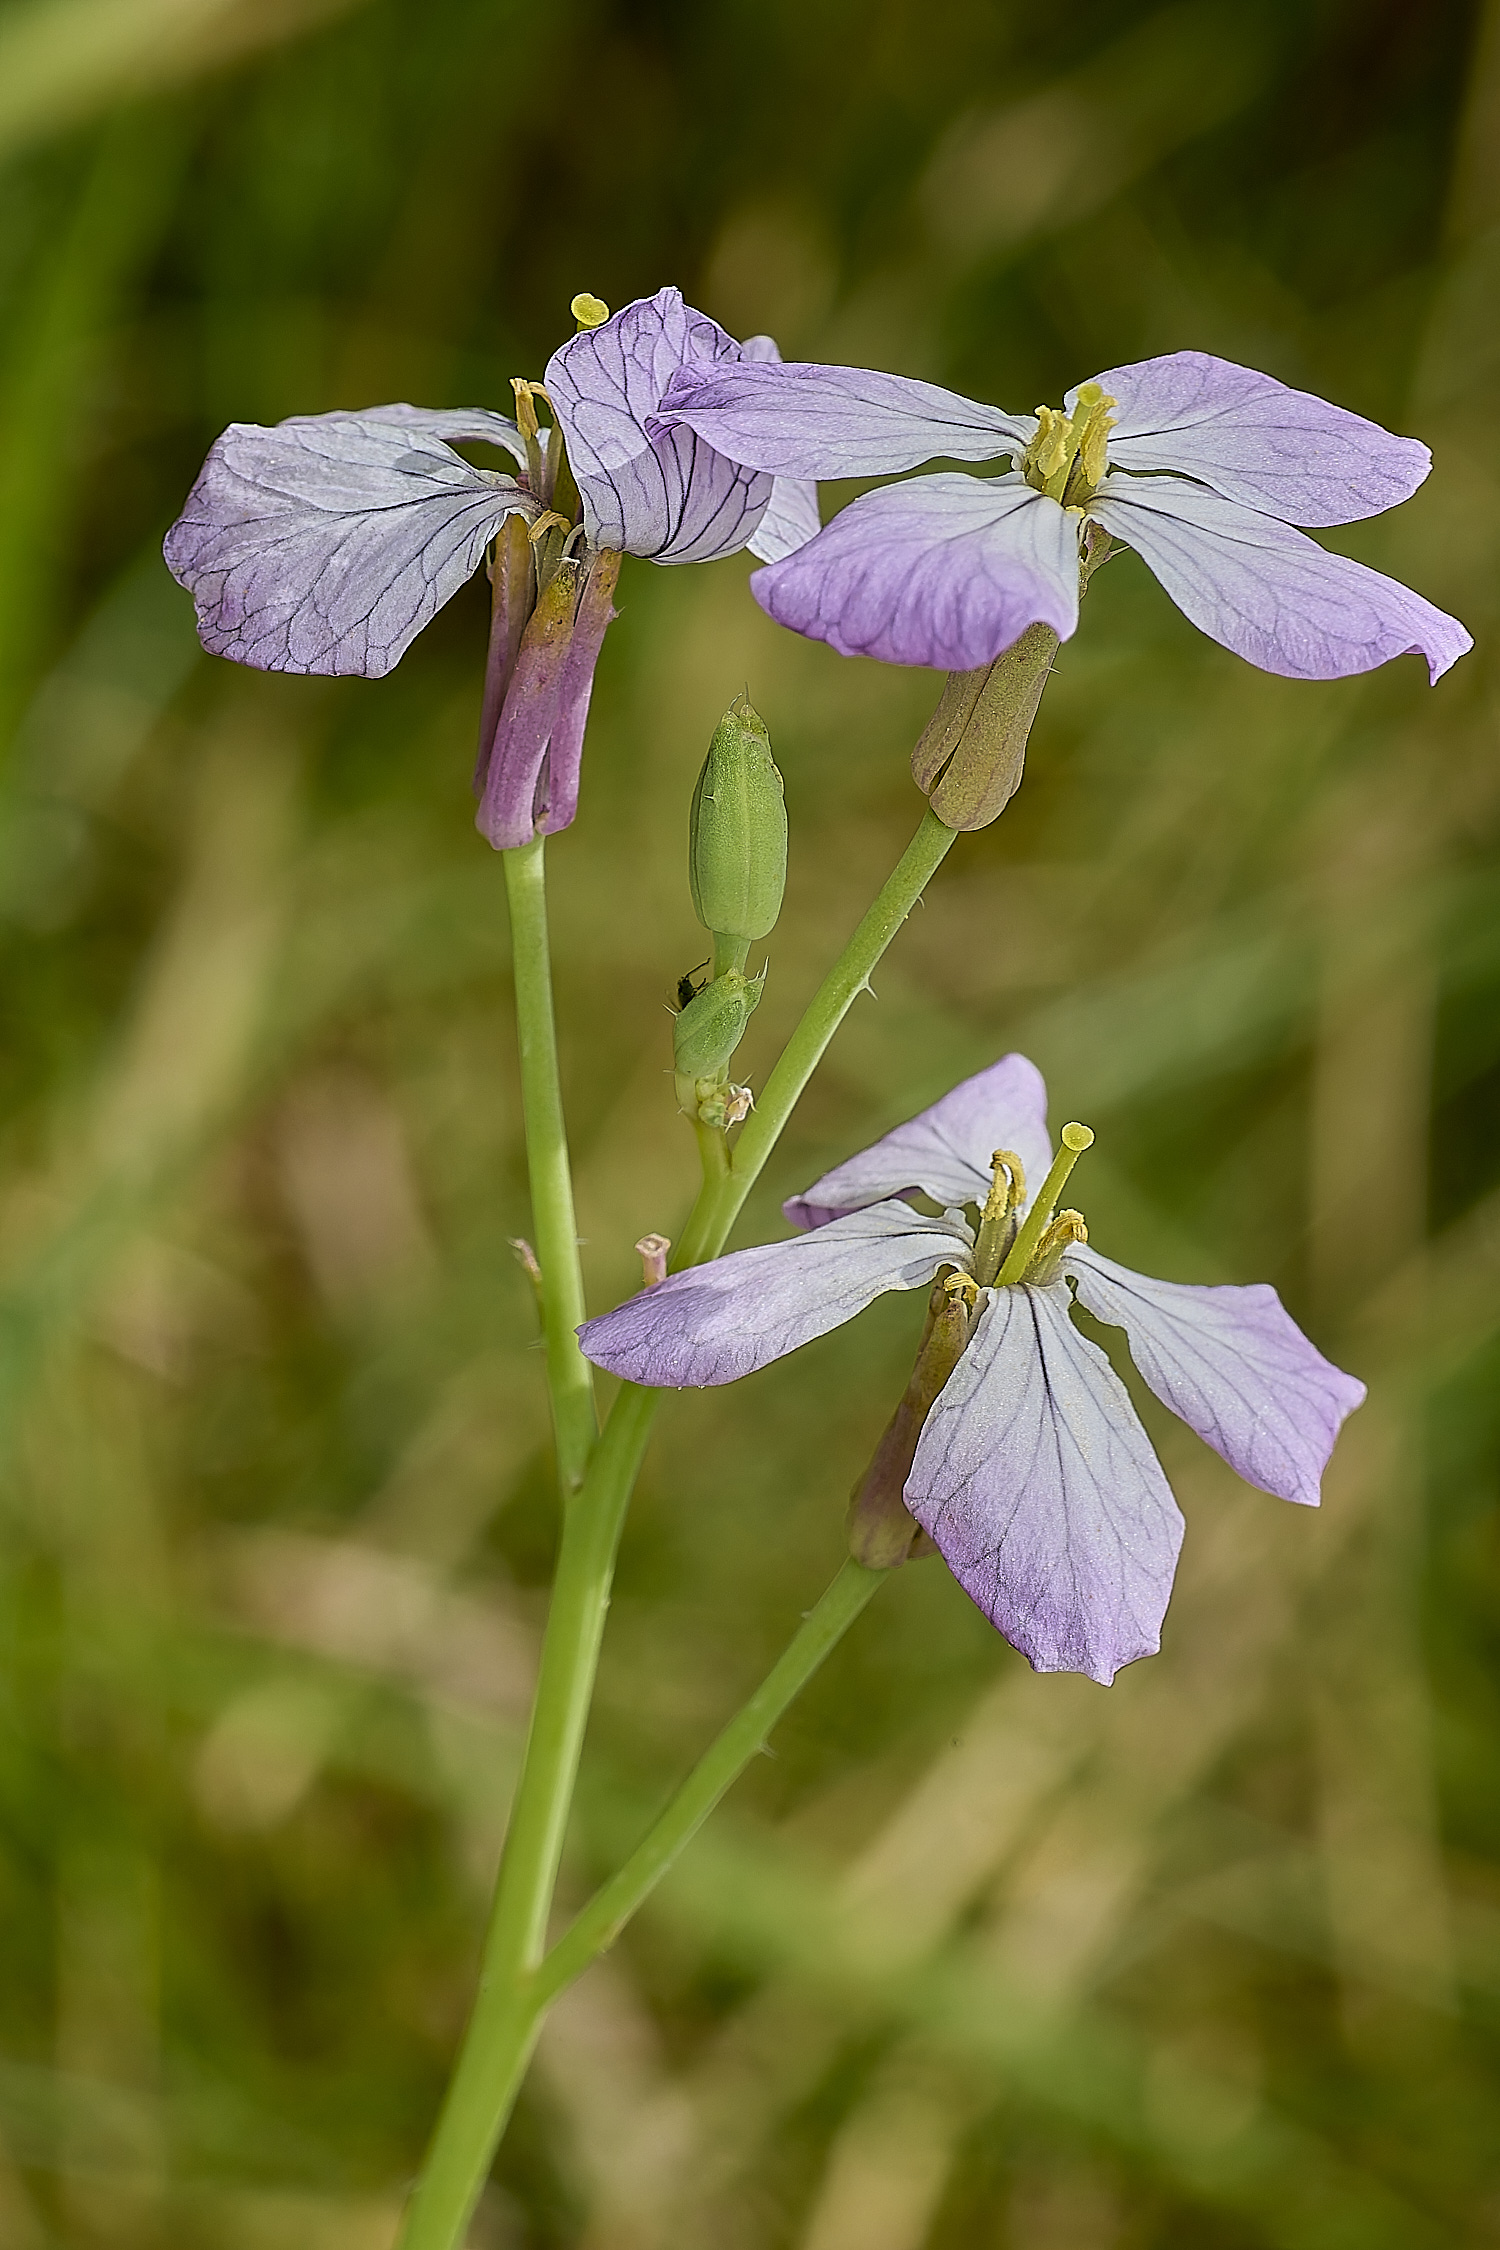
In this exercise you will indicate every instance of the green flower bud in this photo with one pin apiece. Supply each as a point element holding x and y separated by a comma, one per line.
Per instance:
<point>711,1026</point>
<point>737,837</point>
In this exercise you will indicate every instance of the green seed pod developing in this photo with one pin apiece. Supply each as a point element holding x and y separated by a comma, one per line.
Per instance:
<point>710,1027</point>
<point>737,837</point>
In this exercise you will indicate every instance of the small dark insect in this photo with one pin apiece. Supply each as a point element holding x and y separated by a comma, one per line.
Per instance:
<point>686,989</point>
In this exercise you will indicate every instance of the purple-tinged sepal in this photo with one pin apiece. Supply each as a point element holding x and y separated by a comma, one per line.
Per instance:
<point>530,776</point>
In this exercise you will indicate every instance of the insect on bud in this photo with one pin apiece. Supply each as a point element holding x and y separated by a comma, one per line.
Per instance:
<point>737,833</point>
<point>712,1025</point>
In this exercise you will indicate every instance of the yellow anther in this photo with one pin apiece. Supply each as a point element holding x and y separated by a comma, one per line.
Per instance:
<point>589,312</point>
<point>961,1285</point>
<point>1066,1228</point>
<point>1070,452</point>
<point>1008,1186</point>
<point>548,520</point>
<point>526,421</point>
<point>1093,449</point>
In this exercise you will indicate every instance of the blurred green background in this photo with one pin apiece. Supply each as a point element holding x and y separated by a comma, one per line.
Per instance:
<point>974,1961</point>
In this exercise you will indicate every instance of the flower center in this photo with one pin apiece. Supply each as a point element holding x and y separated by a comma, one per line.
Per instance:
<point>1070,452</point>
<point>1014,1249</point>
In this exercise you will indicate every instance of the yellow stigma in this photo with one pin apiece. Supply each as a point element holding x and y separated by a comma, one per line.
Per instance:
<point>589,312</point>
<point>1018,1260</point>
<point>1070,452</point>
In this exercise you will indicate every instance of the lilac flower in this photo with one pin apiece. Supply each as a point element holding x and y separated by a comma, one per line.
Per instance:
<point>1032,1473</point>
<point>326,543</point>
<point>1202,466</point>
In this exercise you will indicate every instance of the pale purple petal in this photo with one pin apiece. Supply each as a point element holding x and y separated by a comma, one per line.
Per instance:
<point>651,491</point>
<point>947,1152</point>
<point>945,570</point>
<point>792,517</point>
<point>458,425</point>
<point>1235,1366</point>
<point>714,1323</point>
<point>1268,592</point>
<point>1285,452</point>
<point>327,543</point>
<point>803,420</point>
<point>1040,1487</point>
<point>790,520</point>
<point>677,501</point>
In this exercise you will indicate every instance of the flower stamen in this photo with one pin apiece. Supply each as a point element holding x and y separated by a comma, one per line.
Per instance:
<point>1070,452</point>
<point>1066,1228</point>
<point>1001,1214</point>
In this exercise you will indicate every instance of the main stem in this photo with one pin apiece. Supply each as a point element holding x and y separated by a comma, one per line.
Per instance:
<point>502,2027</point>
<point>570,1379</point>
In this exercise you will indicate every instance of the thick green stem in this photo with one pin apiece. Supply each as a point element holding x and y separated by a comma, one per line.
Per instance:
<point>509,2010</point>
<point>502,2027</point>
<point>570,1379</point>
<point>500,2032</point>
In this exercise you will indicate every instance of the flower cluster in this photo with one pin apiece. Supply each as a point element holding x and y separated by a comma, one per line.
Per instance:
<point>326,543</point>
<point>1032,1473</point>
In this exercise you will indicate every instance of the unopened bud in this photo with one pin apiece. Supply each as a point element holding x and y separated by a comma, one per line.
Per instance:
<point>737,837</point>
<point>711,1026</point>
<point>969,760</point>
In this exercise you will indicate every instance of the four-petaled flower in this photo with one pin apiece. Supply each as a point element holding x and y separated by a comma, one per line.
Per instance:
<point>1201,466</point>
<point>1032,1474</point>
<point>326,543</point>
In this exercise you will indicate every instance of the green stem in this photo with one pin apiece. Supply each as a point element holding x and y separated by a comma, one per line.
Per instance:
<point>509,2010</point>
<point>502,2027</point>
<point>570,1379</point>
<point>719,1205</point>
<point>717,1770</point>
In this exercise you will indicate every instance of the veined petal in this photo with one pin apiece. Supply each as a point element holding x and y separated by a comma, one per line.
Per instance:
<point>1040,1487</point>
<point>1268,592</point>
<point>1285,452</point>
<point>802,420</point>
<point>648,489</point>
<point>790,520</point>
<point>714,1323</point>
<point>945,570</point>
<point>1233,1364</point>
<point>458,425</point>
<point>947,1152</point>
<point>792,517</point>
<point>326,543</point>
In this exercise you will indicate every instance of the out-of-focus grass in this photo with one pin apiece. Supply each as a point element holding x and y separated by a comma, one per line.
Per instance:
<point>976,1961</point>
